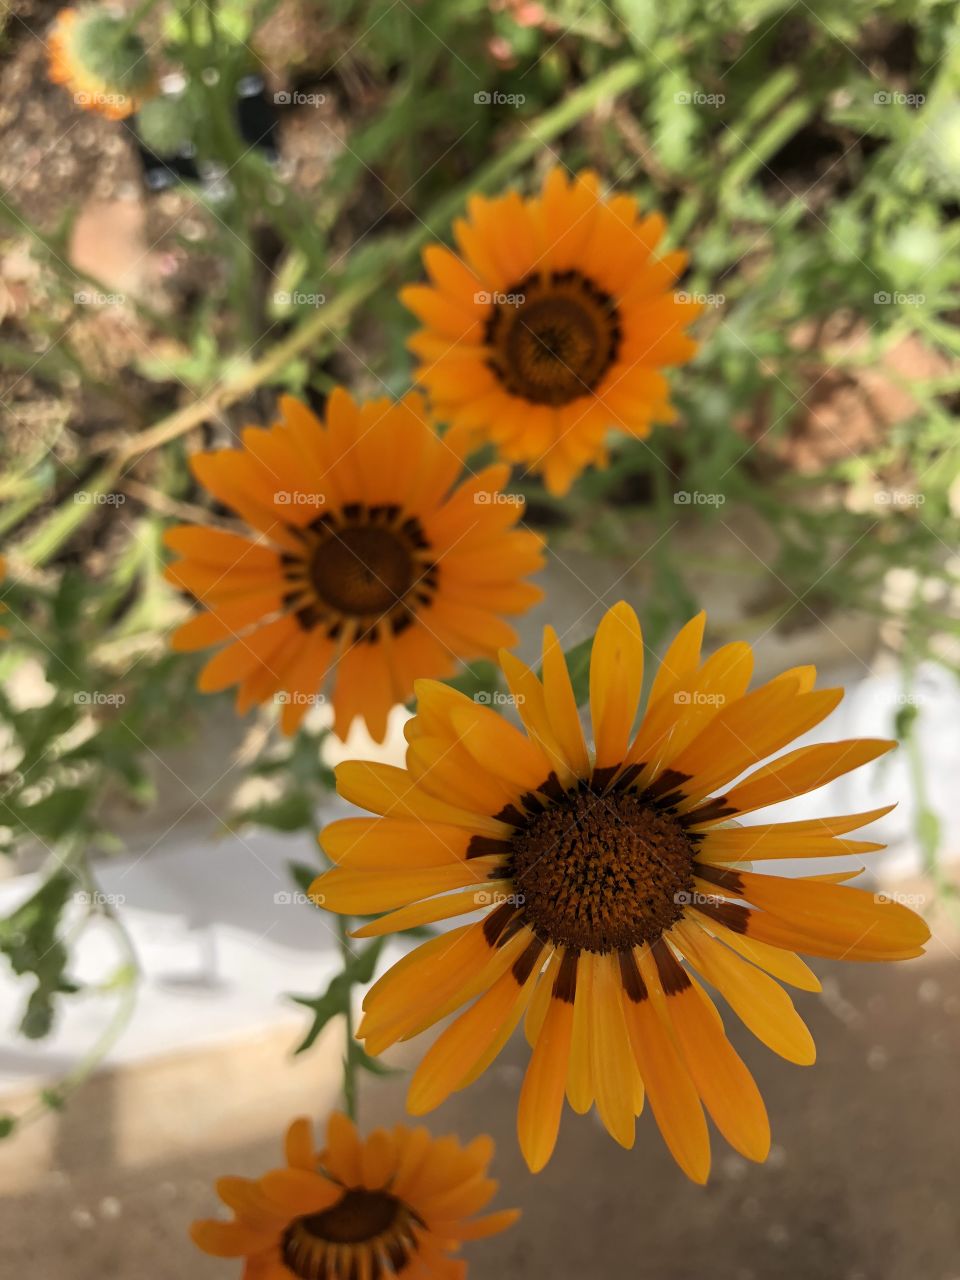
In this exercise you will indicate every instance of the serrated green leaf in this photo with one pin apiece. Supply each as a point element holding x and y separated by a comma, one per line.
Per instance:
<point>333,1001</point>
<point>358,971</point>
<point>360,1058</point>
<point>28,938</point>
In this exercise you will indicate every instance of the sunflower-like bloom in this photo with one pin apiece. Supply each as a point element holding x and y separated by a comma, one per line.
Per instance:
<point>552,327</point>
<point>608,876</point>
<point>370,565</point>
<point>396,1203</point>
<point>103,63</point>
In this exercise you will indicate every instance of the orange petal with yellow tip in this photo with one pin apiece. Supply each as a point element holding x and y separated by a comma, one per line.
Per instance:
<point>453,1054</point>
<point>727,1088</point>
<point>389,791</point>
<point>228,1239</point>
<point>760,1003</point>
<point>544,1086</point>
<point>837,912</point>
<point>673,1097</point>
<point>616,678</point>
<point>351,892</point>
<point>794,774</point>
<point>299,1148</point>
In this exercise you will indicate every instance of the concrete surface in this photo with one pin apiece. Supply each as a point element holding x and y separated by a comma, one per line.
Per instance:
<point>861,1184</point>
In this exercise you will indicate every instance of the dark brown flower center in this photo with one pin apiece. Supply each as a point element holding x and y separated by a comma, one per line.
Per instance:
<point>553,337</point>
<point>362,570</point>
<point>602,872</point>
<point>312,1245</point>
<point>371,565</point>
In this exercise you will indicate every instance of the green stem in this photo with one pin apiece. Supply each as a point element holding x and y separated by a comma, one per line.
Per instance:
<point>349,1057</point>
<point>349,1082</point>
<point>65,519</point>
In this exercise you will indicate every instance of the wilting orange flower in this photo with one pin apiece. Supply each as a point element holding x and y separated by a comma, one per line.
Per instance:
<point>103,64</point>
<point>607,876</point>
<point>396,1203</point>
<point>370,564</point>
<point>552,327</point>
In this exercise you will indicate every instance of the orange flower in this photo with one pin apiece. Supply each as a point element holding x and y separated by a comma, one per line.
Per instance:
<point>370,564</point>
<point>103,63</point>
<point>397,1202</point>
<point>606,877</point>
<point>552,327</point>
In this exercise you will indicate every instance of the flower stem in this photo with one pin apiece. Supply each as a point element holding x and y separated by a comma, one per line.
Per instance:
<point>349,1082</point>
<point>349,1057</point>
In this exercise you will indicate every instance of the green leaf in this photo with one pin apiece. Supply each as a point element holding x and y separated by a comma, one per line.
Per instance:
<point>303,874</point>
<point>359,970</point>
<point>52,817</point>
<point>478,678</point>
<point>8,1124</point>
<point>578,664</point>
<point>290,812</point>
<point>362,966</point>
<point>333,1001</point>
<point>28,938</point>
<point>360,1058</point>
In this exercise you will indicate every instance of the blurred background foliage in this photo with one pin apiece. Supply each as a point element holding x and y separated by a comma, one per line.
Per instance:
<point>807,155</point>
